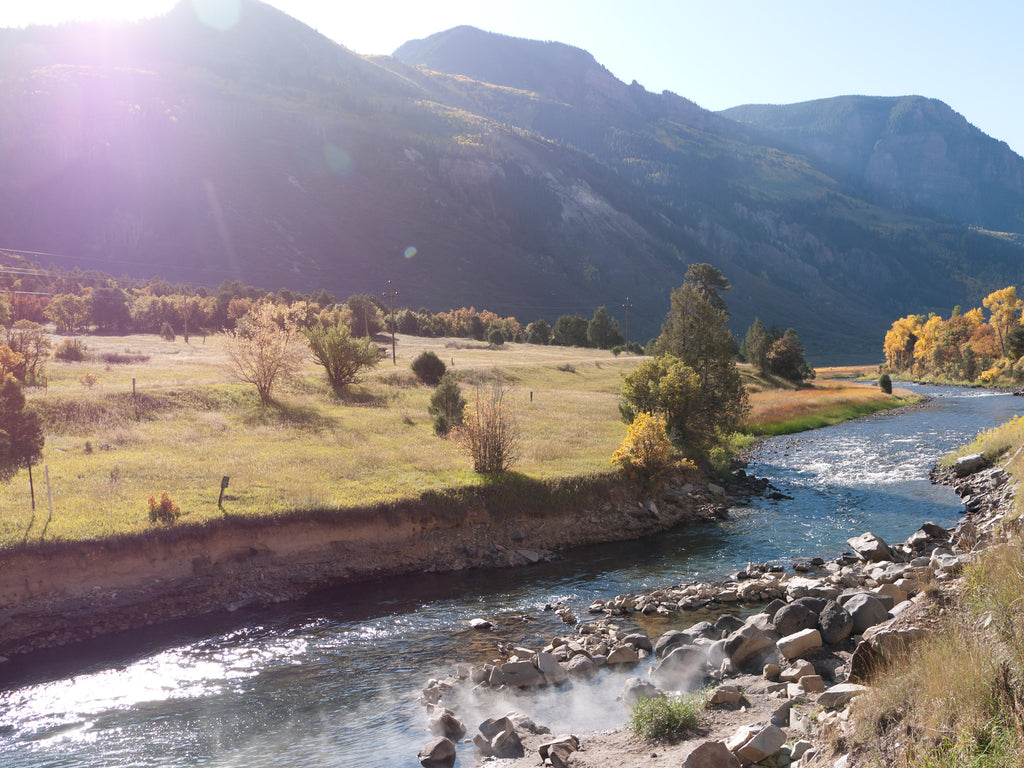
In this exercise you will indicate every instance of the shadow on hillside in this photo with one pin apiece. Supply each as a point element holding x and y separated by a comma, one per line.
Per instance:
<point>290,414</point>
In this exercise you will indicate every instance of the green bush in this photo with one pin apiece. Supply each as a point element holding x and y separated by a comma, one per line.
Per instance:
<point>70,350</point>
<point>885,382</point>
<point>429,368</point>
<point>447,405</point>
<point>166,332</point>
<point>666,719</point>
<point>496,337</point>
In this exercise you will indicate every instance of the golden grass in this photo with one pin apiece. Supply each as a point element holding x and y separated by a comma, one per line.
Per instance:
<point>777,411</point>
<point>191,424</point>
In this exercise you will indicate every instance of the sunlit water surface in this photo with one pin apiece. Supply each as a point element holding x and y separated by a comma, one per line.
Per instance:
<point>334,681</point>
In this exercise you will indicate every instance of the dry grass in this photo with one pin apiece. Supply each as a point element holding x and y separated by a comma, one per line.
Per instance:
<point>780,411</point>
<point>867,372</point>
<point>190,424</point>
<point>956,699</point>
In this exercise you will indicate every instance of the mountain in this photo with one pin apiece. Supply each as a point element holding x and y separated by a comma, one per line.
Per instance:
<point>908,152</point>
<point>473,168</point>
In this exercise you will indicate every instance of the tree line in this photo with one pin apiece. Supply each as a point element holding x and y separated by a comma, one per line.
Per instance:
<point>984,344</point>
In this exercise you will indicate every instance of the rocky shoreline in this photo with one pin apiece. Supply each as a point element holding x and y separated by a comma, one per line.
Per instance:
<point>778,682</point>
<point>58,595</point>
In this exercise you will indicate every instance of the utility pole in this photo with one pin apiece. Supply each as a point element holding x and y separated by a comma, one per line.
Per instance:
<point>390,294</point>
<point>627,306</point>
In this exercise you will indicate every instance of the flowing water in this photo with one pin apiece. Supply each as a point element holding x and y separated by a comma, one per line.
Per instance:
<point>333,681</point>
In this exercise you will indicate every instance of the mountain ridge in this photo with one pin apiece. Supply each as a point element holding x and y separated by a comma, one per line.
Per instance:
<point>211,156</point>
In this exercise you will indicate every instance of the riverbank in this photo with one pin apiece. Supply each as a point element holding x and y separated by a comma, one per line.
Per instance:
<point>783,679</point>
<point>58,594</point>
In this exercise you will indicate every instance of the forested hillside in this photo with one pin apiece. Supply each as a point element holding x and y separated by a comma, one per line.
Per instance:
<point>472,168</point>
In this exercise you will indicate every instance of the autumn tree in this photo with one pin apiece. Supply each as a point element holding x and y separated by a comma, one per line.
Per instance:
<point>1005,311</point>
<point>900,341</point>
<point>265,347</point>
<point>341,355</point>
<point>68,312</point>
<point>29,340</point>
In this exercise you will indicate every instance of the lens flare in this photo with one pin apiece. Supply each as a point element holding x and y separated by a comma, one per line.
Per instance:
<point>338,160</point>
<point>218,14</point>
<point>410,251</point>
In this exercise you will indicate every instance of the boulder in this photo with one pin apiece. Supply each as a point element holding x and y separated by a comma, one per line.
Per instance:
<point>623,654</point>
<point>638,641</point>
<point>812,684</point>
<point>711,754</point>
<point>725,623</point>
<point>748,643</point>
<point>637,688</point>
<point>838,695</point>
<point>521,674</point>
<point>835,623</point>
<point>891,590</point>
<point>793,618</point>
<point>795,645</point>
<point>680,668</point>
<point>968,465</point>
<point>443,723</point>
<point>879,647</point>
<point>866,611</point>
<point>726,694</point>
<point>670,640</point>
<point>483,624</point>
<point>869,547</point>
<point>439,753</point>
<point>772,608</point>
<point>796,670</point>
<point>581,666</point>
<point>762,744</point>
<point>498,738</point>
<point>548,666</point>
<point>557,751</point>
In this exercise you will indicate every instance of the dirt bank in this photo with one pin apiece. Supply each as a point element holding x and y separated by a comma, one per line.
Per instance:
<point>58,594</point>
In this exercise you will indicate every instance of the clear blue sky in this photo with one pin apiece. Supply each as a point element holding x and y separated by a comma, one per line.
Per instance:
<point>719,53</point>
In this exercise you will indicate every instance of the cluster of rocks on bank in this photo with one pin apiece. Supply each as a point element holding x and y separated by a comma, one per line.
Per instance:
<point>820,635</point>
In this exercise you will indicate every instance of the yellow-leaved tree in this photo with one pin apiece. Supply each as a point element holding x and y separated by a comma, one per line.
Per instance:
<point>900,342</point>
<point>646,453</point>
<point>1005,312</point>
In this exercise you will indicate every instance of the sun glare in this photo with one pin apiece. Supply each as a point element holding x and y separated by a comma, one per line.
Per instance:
<point>52,12</point>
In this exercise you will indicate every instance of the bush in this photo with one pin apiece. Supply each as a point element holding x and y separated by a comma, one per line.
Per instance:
<point>666,719</point>
<point>490,434</point>
<point>342,356</point>
<point>70,350</point>
<point>447,405</point>
<point>164,511</point>
<point>166,332</point>
<point>646,453</point>
<point>496,337</point>
<point>429,368</point>
<point>885,382</point>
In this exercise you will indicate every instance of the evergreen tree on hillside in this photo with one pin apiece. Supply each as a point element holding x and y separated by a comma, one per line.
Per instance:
<point>603,330</point>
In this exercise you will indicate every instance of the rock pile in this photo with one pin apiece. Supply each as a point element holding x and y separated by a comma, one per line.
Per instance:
<point>816,642</point>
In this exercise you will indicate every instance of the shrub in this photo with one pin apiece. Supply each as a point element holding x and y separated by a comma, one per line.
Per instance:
<point>885,382</point>
<point>117,358</point>
<point>88,380</point>
<point>70,350</point>
<point>429,368</point>
<point>164,511</point>
<point>342,355</point>
<point>166,332</point>
<point>496,337</point>
<point>490,433</point>
<point>447,405</point>
<point>666,719</point>
<point>646,452</point>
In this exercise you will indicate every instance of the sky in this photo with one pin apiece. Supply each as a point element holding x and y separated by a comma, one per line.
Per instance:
<point>718,53</point>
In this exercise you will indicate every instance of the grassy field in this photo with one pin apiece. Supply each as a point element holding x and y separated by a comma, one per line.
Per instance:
<point>189,423</point>
<point>779,409</point>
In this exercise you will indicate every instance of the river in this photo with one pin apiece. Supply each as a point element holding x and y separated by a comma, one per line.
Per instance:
<point>333,681</point>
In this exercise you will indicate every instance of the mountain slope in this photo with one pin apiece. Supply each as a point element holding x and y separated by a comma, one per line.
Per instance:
<point>266,153</point>
<point>908,152</point>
